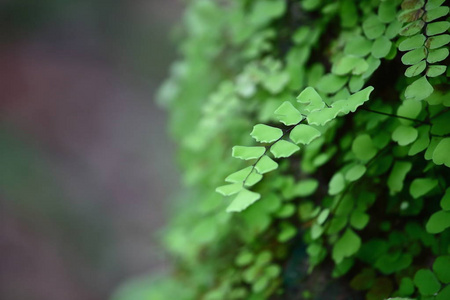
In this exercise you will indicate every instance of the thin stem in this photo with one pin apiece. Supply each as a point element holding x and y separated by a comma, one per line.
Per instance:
<point>395,116</point>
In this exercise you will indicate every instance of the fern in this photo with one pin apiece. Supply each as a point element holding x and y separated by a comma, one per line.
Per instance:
<point>342,190</point>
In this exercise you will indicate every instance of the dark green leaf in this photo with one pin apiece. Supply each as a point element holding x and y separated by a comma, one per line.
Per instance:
<point>426,282</point>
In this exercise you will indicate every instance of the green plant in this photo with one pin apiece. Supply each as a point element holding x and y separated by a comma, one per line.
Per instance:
<point>344,189</point>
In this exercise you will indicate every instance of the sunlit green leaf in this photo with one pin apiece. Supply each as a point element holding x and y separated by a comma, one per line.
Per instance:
<point>244,199</point>
<point>288,114</point>
<point>266,134</point>
<point>265,165</point>
<point>304,134</point>
<point>419,89</point>
<point>312,99</point>
<point>246,153</point>
<point>283,148</point>
<point>239,176</point>
<point>229,189</point>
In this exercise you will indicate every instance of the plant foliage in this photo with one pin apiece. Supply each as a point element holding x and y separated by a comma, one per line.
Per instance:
<point>324,128</point>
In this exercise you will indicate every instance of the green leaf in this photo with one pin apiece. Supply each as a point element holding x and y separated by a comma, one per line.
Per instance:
<point>312,99</point>
<point>445,201</point>
<point>244,199</point>
<point>412,28</point>
<point>288,114</point>
<point>410,5</point>
<point>265,165</point>
<point>265,10</point>
<point>426,282</point>
<point>433,4</point>
<point>397,176</point>
<point>229,189</point>
<point>437,55</point>
<point>359,219</point>
<point>409,109</point>
<point>435,13</point>
<point>287,232</point>
<point>387,11</point>
<point>286,211</point>
<point>419,89</point>
<point>358,46</point>
<point>411,43</point>
<point>444,294</point>
<point>350,64</point>
<point>363,147</point>
<point>422,141</point>
<point>441,268</point>
<point>323,116</point>
<point>436,70</point>
<point>305,187</point>
<point>246,153</point>
<point>421,186</point>
<point>354,101</point>
<point>346,246</point>
<point>283,148</point>
<point>239,176</point>
<point>438,222</point>
<point>331,83</point>
<point>322,217</point>
<point>355,172</point>
<point>405,135</point>
<point>253,179</point>
<point>337,184</point>
<point>437,41</point>
<point>304,134</point>
<point>410,15</point>
<point>356,83</point>
<point>381,47</point>
<point>266,134</point>
<point>416,69</point>
<point>414,56</point>
<point>406,287</point>
<point>373,27</point>
<point>437,28</point>
<point>244,258</point>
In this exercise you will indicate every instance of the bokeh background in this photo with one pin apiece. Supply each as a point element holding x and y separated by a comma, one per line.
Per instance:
<point>86,166</point>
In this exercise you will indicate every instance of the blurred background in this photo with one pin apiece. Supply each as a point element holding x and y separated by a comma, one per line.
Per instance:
<point>86,166</point>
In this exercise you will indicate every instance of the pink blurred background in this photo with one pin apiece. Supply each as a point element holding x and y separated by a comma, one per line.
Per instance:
<point>86,166</point>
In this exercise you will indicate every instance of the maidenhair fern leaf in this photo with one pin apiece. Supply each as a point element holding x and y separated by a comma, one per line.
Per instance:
<point>266,134</point>
<point>288,114</point>
<point>244,199</point>
<point>283,148</point>
<point>246,153</point>
<point>304,134</point>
